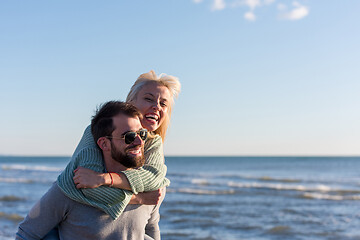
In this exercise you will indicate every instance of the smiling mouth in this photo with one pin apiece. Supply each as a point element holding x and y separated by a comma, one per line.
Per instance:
<point>152,117</point>
<point>134,150</point>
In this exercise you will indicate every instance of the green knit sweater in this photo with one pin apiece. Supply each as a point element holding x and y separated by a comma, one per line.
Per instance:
<point>113,201</point>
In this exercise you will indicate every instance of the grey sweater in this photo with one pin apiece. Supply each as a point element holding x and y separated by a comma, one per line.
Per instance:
<point>82,222</point>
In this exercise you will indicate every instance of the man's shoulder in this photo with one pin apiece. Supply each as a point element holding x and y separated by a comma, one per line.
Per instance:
<point>55,192</point>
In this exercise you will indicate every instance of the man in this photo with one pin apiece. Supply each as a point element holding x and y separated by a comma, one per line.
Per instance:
<point>121,139</point>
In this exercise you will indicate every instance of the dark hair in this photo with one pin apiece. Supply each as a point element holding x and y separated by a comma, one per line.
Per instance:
<point>102,122</point>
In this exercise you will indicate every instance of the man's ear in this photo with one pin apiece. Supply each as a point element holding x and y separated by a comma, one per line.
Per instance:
<point>104,143</point>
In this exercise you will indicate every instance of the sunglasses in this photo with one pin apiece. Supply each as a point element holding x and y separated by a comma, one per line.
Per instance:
<point>131,136</point>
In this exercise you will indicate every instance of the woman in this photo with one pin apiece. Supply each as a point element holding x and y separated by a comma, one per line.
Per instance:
<point>154,97</point>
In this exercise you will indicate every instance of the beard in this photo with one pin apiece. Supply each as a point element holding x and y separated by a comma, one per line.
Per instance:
<point>126,160</point>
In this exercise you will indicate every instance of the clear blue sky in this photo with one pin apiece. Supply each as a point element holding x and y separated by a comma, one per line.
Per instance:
<point>259,77</point>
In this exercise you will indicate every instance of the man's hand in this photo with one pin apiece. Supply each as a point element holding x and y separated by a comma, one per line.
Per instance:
<point>87,178</point>
<point>147,198</point>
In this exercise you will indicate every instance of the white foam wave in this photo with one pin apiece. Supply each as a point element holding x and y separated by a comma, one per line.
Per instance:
<point>200,181</point>
<point>31,168</point>
<point>204,191</point>
<point>320,188</point>
<point>330,197</point>
<point>273,179</point>
<point>261,178</point>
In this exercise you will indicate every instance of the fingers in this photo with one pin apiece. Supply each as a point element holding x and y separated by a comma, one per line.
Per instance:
<point>76,179</point>
<point>79,185</point>
<point>77,182</point>
<point>78,168</point>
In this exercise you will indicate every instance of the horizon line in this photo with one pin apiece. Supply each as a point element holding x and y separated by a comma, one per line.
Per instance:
<point>215,155</point>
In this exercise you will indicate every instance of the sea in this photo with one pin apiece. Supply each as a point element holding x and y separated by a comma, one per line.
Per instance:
<point>214,198</point>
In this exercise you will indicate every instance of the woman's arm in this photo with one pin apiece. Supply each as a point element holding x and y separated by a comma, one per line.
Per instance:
<point>150,177</point>
<point>87,178</point>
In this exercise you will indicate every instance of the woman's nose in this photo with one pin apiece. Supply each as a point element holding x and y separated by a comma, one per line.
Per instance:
<point>157,106</point>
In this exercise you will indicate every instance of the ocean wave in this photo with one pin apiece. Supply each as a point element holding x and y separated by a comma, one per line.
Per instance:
<point>30,168</point>
<point>280,230</point>
<point>316,191</point>
<point>25,180</point>
<point>321,188</point>
<point>186,203</point>
<point>16,180</point>
<point>243,227</point>
<point>213,179</point>
<point>11,198</point>
<point>346,191</point>
<point>330,197</point>
<point>272,179</point>
<point>175,233</point>
<point>266,178</point>
<point>201,182</point>
<point>205,191</point>
<point>236,176</point>
<point>222,178</point>
<point>177,211</point>
<point>221,182</point>
<point>176,174</point>
<point>13,217</point>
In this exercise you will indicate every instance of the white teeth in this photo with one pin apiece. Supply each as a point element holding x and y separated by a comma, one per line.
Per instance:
<point>135,151</point>
<point>152,116</point>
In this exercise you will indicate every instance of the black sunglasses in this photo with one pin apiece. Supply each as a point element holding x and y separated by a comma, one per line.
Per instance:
<point>131,136</point>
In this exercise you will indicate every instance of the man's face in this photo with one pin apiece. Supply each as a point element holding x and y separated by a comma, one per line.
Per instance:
<point>130,155</point>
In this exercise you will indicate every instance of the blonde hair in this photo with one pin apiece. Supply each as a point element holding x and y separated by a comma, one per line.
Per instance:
<point>172,83</point>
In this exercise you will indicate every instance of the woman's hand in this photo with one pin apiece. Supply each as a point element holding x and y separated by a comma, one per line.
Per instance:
<point>87,178</point>
<point>147,198</point>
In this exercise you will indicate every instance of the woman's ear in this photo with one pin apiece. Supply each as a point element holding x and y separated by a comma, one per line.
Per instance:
<point>104,143</point>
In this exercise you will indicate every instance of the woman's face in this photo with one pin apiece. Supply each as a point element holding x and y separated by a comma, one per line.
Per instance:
<point>153,101</point>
